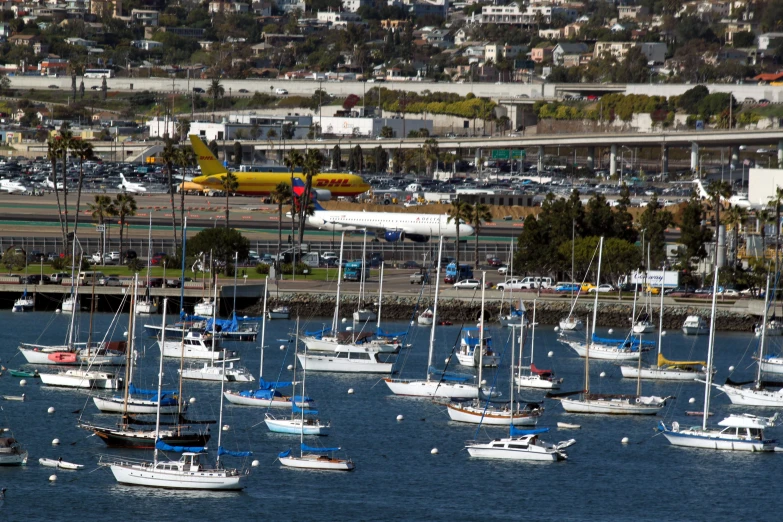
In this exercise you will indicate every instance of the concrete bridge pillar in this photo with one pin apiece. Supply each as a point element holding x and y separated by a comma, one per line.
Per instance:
<point>665,160</point>
<point>780,154</point>
<point>477,160</point>
<point>613,160</point>
<point>695,157</point>
<point>591,158</point>
<point>735,153</point>
<point>540,159</point>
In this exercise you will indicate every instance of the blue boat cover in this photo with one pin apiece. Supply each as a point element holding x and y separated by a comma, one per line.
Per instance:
<point>169,397</point>
<point>305,447</point>
<point>271,385</point>
<point>297,409</point>
<point>223,451</point>
<point>260,394</point>
<point>514,432</point>
<point>446,376</point>
<point>318,333</point>
<point>633,341</point>
<point>159,444</point>
<point>284,454</point>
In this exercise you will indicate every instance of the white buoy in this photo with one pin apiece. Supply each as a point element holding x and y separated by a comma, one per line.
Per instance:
<point>125,334</point>
<point>446,360</point>
<point>400,417</point>
<point>290,367</point>
<point>550,354</point>
<point>483,382</point>
<point>663,333</point>
<point>557,328</point>
<point>52,478</point>
<point>226,427</point>
<point>411,323</point>
<point>255,463</point>
<point>434,451</point>
<point>611,331</point>
<point>602,374</point>
<point>625,440</point>
<point>691,400</point>
<point>349,328</point>
<point>282,347</point>
<point>350,391</point>
<point>192,400</point>
<point>345,320</point>
<point>55,442</point>
<point>57,311</point>
<point>23,382</point>
<point>731,368</point>
<point>245,317</point>
<point>50,410</point>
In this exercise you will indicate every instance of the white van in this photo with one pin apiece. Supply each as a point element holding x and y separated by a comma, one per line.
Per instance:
<point>90,277</point>
<point>414,187</point>
<point>536,282</point>
<point>510,284</point>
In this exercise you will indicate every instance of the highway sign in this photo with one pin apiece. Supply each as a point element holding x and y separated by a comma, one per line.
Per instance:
<point>500,154</point>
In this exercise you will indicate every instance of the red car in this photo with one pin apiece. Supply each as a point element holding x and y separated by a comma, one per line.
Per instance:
<point>495,262</point>
<point>156,259</point>
<point>450,280</point>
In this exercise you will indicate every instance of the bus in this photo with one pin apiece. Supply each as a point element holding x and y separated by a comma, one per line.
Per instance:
<point>98,73</point>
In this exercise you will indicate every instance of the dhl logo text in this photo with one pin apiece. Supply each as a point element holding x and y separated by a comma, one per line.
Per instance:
<point>333,183</point>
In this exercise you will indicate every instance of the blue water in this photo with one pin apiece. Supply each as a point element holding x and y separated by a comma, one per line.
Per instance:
<point>396,476</point>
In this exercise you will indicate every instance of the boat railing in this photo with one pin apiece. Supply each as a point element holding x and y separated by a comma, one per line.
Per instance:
<point>114,460</point>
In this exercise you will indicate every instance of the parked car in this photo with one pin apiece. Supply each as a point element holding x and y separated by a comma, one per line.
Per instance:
<point>57,277</point>
<point>510,284</point>
<point>567,287</point>
<point>449,280</point>
<point>96,258</point>
<point>586,287</point>
<point>604,288</point>
<point>35,279</point>
<point>36,256</point>
<point>411,264</point>
<point>468,283</point>
<point>198,90</point>
<point>51,256</point>
<point>420,278</point>
<point>503,270</point>
<point>156,282</point>
<point>174,283</point>
<point>494,262</point>
<point>281,91</point>
<point>329,255</point>
<point>110,281</point>
<point>157,258</point>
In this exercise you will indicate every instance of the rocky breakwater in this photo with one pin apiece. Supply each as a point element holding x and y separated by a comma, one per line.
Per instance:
<point>615,314</point>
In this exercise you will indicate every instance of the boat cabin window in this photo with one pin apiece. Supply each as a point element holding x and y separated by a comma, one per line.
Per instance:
<point>342,355</point>
<point>518,446</point>
<point>361,356</point>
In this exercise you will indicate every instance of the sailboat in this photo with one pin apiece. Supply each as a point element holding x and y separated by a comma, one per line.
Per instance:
<point>533,377</point>
<point>187,472</point>
<point>644,324</point>
<point>362,313</point>
<point>520,444</point>
<point>512,318</point>
<point>572,323</point>
<point>267,395</point>
<point>759,394</point>
<point>297,422</point>
<point>626,349</point>
<point>425,318</point>
<point>741,432</point>
<point>664,369</point>
<point>148,306</point>
<point>11,452</point>
<point>25,303</point>
<point>475,347</point>
<point>447,385</point>
<point>482,411</point>
<point>197,344</point>
<point>312,457</point>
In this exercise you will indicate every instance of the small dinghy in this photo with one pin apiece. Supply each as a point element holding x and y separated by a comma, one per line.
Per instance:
<point>24,373</point>
<point>567,426</point>
<point>13,397</point>
<point>59,463</point>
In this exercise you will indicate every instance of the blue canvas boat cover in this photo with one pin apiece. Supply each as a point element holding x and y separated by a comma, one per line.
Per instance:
<point>223,451</point>
<point>633,341</point>
<point>284,454</point>
<point>318,333</point>
<point>514,432</point>
<point>305,447</point>
<point>446,376</point>
<point>159,444</point>
<point>297,409</point>
<point>271,385</point>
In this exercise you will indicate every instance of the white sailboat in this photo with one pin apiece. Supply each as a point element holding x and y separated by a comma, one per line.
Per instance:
<point>514,314</point>
<point>694,325</point>
<point>362,313</point>
<point>735,432</point>
<point>70,304</point>
<point>297,422</point>
<point>11,452</point>
<point>25,303</point>
<point>187,472</point>
<point>148,305</point>
<point>475,347</point>
<point>484,411</point>
<point>279,312</point>
<point>666,370</point>
<point>530,376</point>
<point>572,323</point>
<point>644,324</point>
<point>425,318</point>
<point>520,444</point>
<point>447,386</point>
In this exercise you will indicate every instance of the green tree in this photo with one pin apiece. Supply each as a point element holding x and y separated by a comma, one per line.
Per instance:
<point>381,159</point>
<point>599,218</point>
<point>237,154</point>
<point>689,100</point>
<point>169,157</point>
<point>654,221</point>
<point>336,155</point>
<point>293,160</point>
<point>101,208</point>
<point>213,147</point>
<point>764,216</point>
<point>104,89</point>
<point>718,191</point>
<point>66,139</point>
<point>185,158</point>
<point>458,213</point>
<point>623,221</point>
<point>125,207</point>
<point>53,153</point>
<point>82,150</point>
<point>281,196</point>
<point>735,218</point>
<point>694,232</point>
<point>778,201</point>
<point>430,152</point>
<point>222,242</point>
<point>229,184</point>
<point>479,213</point>
<point>310,168</point>
<point>215,91</point>
<point>386,132</point>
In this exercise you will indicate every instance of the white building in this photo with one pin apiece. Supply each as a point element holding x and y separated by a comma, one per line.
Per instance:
<point>252,127</point>
<point>371,127</point>
<point>353,6</point>
<point>158,127</point>
<point>767,38</point>
<point>762,184</point>
<point>334,17</point>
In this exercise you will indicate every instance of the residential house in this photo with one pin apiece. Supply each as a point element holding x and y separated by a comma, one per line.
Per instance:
<point>474,52</point>
<point>104,118</point>
<point>501,14</point>
<point>737,26</point>
<point>332,17</point>
<point>726,54</point>
<point>228,7</point>
<point>461,36</point>
<point>617,50</point>
<point>261,8</point>
<point>184,32</point>
<point>576,60</point>
<point>654,51</point>
<point>563,49</point>
<point>24,39</point>
<point>394,25</point>
<point>631,12</point>
<point>353,6</point>
<point>81,42</point>
<point>551,34</point>
<point>572,30</point>
<point>145,17</point>
<point>53,67</point>
<point>767,39</point>
<point>617,28</point>
<point>440,38</point>
<point>146,45</point>
<point>541,54</point>
<point>497,52</point>
<point>44,115</point>
<point>289,6</point>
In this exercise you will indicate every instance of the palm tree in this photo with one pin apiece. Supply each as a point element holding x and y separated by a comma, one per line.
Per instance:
<point>124,206</point>
<point>229,184</point>
<point>280,196</point>
<point>215,90</point>
<point>100,210</point>
<point>479,214</point>
<point>293,161</point>
<point>735,217</point>
<point>83,151</point>
<point>66,139</point>
<point>718,190</point>
<point>764,217</point>
<point>458,212</point>
<point>53,154</point>
<point>169,156</point>
<point>778,202</point>
<point>430,151</point>
<point>311,168</point>
<point>185,158</point>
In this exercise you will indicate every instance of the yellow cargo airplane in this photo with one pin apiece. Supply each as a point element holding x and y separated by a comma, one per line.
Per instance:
<point>263,183</point>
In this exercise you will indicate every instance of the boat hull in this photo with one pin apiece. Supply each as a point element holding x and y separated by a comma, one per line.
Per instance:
<point>294,426</point>
<point>364,315</point>
<point>694,330</point>
<point>145,475</point>
<point>751,397</point>
<point>445,390</point>
<point>609,407</point>
<point>643,328</point>
<point>772,365</point>
<point>81,379</point>
<point>485,451</point>
<point>51,357</point>
<point>317,463</point>
<point>147,307</point>
<point>203,351</point>
<point>604,352</point>
<point>145,439</point>
<point>710,439</point>
<point>534,381</point>
<point>331,363</point>
<point>276,402</point>
<point>115,405</point>
<point>469,359</point>
<point>473,415</point>
<point>13,458</point>
<point>660,374</point>
<point>59,464</point>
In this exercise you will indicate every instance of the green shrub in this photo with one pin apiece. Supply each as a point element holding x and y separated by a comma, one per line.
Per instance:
<point>286,268</point>
<point>262,269</point>
<point>136,265</point>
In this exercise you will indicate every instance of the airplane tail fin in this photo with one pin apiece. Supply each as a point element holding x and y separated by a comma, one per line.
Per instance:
<point>298,189</point>
<point>209,164</point>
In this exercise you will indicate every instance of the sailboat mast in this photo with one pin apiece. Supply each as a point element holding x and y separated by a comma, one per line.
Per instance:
<point>481,331</point>
<point>380,299</point>
<point>597,282</point>
<point>236,262</point>
<point>149,251</point>
<point>573,272</point>
<point>511,287</point>
<point>522,339</point>
<point>710,349</point>
<point>587,356</point>
<point>182,281</point>
<point>160,379</point>
<point>434,308</point>
<point>263,328</point>
<point>511,383</point>
<point>532,336</point>
<point>639,367</point>
<point>220,422</point>
<point>92,312</point>
<point>336,317</point>
<point>364,270</point>
<point>763,332</point>
<point>304,379</point>
<point>129,348</point>
<point>75,295</point>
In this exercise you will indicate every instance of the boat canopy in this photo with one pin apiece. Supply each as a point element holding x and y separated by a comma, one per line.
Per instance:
<point>630,341</point>
<point>663,361</point>
<point>7,442</point>
<point>271,385</point>
<point>159,444</point>
<point>515,432</point>
<point>318,334</point>
<point>446,376</point>
<point>747,420</point>
<point>284,454</point>
<point>297,409</point>
<point>223,451</point>
<point>356,338</point>
<point>305,447</point>
<point>542,373</point>
<point>168,398</point>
